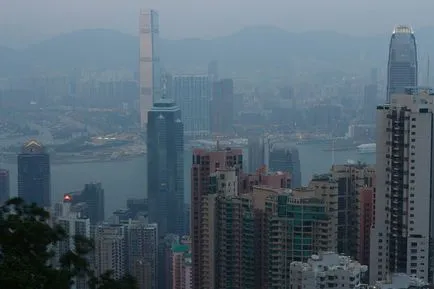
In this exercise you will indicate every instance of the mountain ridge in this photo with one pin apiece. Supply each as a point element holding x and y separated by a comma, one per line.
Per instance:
<point>264,48</point>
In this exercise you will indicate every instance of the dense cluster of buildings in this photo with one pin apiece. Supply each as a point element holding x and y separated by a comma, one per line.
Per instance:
<point>252,224</point>
<point>262,229</point>
<point>250,235</point>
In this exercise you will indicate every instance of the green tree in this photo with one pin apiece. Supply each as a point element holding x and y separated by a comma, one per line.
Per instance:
<point>26,253</point>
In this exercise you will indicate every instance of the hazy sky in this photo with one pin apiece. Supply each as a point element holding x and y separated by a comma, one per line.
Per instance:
<point>25,21</point>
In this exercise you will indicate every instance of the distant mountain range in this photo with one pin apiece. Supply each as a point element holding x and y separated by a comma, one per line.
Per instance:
<point>260,50</point>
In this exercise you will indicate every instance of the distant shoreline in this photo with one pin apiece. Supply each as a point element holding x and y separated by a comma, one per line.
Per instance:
<point>63,160</point>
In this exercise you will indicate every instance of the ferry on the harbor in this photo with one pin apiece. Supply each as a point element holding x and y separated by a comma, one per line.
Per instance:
<point>369,148</point>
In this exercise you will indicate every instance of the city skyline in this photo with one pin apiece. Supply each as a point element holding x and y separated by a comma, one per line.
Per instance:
<point>230,160</point>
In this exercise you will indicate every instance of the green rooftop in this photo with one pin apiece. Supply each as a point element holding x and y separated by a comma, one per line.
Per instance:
<point>179,248</point>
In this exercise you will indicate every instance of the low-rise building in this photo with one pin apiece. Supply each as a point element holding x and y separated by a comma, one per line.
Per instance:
<point>326,270</point>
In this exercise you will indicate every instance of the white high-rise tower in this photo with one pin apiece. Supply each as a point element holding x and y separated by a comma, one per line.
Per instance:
<point>149,70</point>
<point>403,226</point>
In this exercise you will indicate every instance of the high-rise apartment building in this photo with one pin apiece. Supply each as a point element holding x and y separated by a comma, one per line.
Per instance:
<point>227,224</point>
<point>234,228</point>
<point>142,253</point>
<point>402,232</point>
<point>222,107</point>
<point>4,186</point>
<point>298,226</point>
<point>402,67</point>
<point>192,94</point>
<point>74,225</point>
<point>366,215</point>
<point>34,185</point>
<point>165,260</point>
<point>234,232</point>
<point>204,164</point>
<point>247,228</point>
<point>326,188</point>
<point>181,266</point>
<point>326,270</point>
<point>350,178</point>
<point>110,250</point>
<point>149,68</point>
<point>165,143</point>
<point>90,201</point>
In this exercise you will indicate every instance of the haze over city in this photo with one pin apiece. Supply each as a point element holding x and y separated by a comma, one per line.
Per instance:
<point>216,144</point>
<point>25,22</point>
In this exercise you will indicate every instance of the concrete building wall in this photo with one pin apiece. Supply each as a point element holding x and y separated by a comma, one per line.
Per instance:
<point>366,196</point>
<point>401,234</point>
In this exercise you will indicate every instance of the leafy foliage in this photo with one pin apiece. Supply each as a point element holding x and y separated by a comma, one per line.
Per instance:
<point>27,242</point>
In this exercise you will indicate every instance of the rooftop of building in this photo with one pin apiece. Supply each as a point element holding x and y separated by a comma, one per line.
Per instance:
<point>327,261</point>
<point>147,11</point>
<point>400,281</point>
<point>187,259</point>
<point>322,177</point>
<point>283,146</point>
<point>403,29</point>
<point>180,248</point>
<point>355,165</point>
<point>33,146</point>
<point>416,99</point>
<point>165,104</point>
<point>185,240</point>
<point>419,90</point>
<point>203,151</point>
<point>263,171</point>
<point>302,197</point>
<point>190,76</point>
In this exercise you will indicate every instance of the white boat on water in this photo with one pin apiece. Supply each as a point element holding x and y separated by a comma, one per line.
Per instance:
<point>368,148</point>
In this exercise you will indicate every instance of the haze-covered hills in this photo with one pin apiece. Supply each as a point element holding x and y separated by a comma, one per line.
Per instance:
<point>261,50</point>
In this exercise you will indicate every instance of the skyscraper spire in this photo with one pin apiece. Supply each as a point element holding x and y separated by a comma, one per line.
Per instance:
<point>402,66</point>
<point>164,88</point>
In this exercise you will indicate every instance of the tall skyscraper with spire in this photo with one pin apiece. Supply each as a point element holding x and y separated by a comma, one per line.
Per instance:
<point>402,66</point>
<point>149,70</point>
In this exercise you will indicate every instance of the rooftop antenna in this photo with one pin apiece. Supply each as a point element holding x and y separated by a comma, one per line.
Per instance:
<point>164,88</point>
<point>427,73</point>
